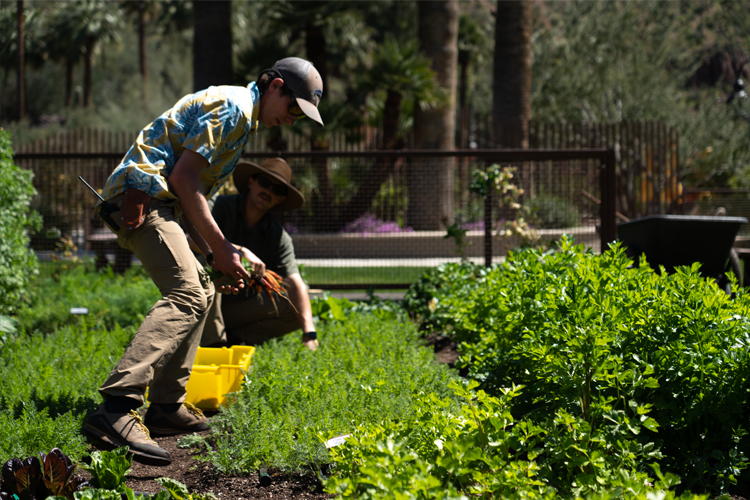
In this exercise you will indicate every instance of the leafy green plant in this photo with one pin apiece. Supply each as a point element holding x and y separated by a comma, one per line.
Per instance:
<point>368,369</point>
<point>658,361</point>
<point>551,212</point>
<point>109,468</point>
<point>498,181</point>
<point>478,449</point>
<point>422,298</point>
<point>175,490</point>
<point>48,475</point>
<point>108,472</point>
<point>18,264</point>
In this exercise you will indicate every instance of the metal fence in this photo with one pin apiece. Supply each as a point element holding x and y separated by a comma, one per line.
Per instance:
<point>360,210</point>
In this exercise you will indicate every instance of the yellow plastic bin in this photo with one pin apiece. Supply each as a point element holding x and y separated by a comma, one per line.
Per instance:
<point>217,371</point>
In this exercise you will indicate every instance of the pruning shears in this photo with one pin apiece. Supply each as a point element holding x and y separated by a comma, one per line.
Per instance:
<point>105,208</point>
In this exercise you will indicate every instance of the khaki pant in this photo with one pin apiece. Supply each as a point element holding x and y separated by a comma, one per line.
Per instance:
<point>161,354</point>
<point>248,320</point>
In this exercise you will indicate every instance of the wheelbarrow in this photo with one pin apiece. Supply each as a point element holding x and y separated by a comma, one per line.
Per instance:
<point>680,240</point>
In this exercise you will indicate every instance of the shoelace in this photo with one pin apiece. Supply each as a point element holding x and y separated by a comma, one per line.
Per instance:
<point>138,422</point>
<point>194,410</point>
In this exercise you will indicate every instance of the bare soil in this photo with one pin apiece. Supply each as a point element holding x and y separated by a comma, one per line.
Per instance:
<point>202,477</point>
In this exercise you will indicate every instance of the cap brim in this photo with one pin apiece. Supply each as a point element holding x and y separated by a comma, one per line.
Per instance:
<point>310,110</point>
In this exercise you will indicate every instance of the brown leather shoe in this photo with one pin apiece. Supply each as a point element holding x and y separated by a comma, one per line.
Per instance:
<point>163,422</point>
<point>126,429</point>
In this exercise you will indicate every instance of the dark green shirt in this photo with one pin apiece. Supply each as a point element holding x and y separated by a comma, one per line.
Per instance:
<point>267,239</point>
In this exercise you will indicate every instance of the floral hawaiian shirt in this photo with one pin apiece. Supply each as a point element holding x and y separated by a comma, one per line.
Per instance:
<point>215,123</point>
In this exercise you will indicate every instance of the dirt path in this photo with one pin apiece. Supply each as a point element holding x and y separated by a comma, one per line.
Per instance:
<point>202,477</point>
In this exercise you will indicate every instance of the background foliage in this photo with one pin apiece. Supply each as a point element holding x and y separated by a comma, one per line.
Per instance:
<point>592,62</point>
<point>652,364</point>
<point>18,262</point>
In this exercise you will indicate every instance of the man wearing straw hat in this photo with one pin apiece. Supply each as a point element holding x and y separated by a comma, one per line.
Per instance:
<point>249,220</point>
<point>159,192</point>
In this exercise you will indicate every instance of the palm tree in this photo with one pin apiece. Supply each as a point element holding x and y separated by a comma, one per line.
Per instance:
<point>511,87</point>
<point>398,73</point>
<point>64,43</point>
<point>141,11</point>
<point>21,80</point>
<point>431,183</point>
<point>212,43</point>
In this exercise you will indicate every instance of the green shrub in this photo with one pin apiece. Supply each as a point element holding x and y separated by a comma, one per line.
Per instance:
<point>480,450</point>
<point>659,358</point>
<point>552,212</point>
<point>18,263</point>
<point>422,298</point>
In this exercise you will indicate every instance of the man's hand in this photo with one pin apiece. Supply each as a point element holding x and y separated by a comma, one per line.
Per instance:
<point>227,285</point>
<point>310,340</point>
<point>134,207</point>
<point>311,344</point>
<point>227,260</point>
<point>257,265</point>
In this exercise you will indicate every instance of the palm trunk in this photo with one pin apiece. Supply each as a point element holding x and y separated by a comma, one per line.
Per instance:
<point>87,68</point>
<point>511,86</point>
<point>69,65</point>
<point>431,203</point>
<point>322,202</point>
<point>21,75</point>
<point>383,168</point>
<point>142,46</point>
<point>212,43</point>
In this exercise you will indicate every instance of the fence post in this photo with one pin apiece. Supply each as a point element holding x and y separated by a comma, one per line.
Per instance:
<point>488,224</point>
<point>607,208</point>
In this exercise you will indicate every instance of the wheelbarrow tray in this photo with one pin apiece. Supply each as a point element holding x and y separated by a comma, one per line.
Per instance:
<point>680,240</point>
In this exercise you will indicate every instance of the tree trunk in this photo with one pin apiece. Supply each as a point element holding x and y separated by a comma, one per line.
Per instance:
<point>511,85</point>
<point>464,123</point>
<point>142,47</point>
<point>69,65</point>
<point>322,201</point>
<point>88,62</point>
<point>383,168</point>
<point>212,43</point>
<point>21,73</point>
<point>430,182</point>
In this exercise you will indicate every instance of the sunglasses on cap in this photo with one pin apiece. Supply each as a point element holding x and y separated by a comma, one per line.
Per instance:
<point>274,187</point>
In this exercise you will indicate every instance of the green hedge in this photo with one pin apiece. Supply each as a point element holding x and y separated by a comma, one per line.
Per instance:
<point>656,362</point>
<point>18,263</point>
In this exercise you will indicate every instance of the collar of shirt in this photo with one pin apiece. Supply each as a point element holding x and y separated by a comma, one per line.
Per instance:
<point>255,93</point>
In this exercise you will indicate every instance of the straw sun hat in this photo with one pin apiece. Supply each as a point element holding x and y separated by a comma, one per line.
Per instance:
<point>276,169</point>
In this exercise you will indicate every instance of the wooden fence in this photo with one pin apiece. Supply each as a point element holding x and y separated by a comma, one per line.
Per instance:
<point>647,158</point>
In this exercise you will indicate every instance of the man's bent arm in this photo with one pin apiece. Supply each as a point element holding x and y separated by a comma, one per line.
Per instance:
<point>185,182</point>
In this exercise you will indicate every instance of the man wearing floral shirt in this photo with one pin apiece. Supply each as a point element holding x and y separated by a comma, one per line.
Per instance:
<point>160,189</point>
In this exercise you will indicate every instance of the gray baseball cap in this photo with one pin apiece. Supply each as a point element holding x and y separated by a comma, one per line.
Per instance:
<point>301,77</point>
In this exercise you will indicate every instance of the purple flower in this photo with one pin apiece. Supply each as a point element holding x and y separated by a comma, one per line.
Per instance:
<point>291,228</point>
<point>368,223</point>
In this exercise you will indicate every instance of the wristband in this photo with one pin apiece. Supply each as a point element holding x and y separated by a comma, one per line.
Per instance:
<point>309,336</point>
